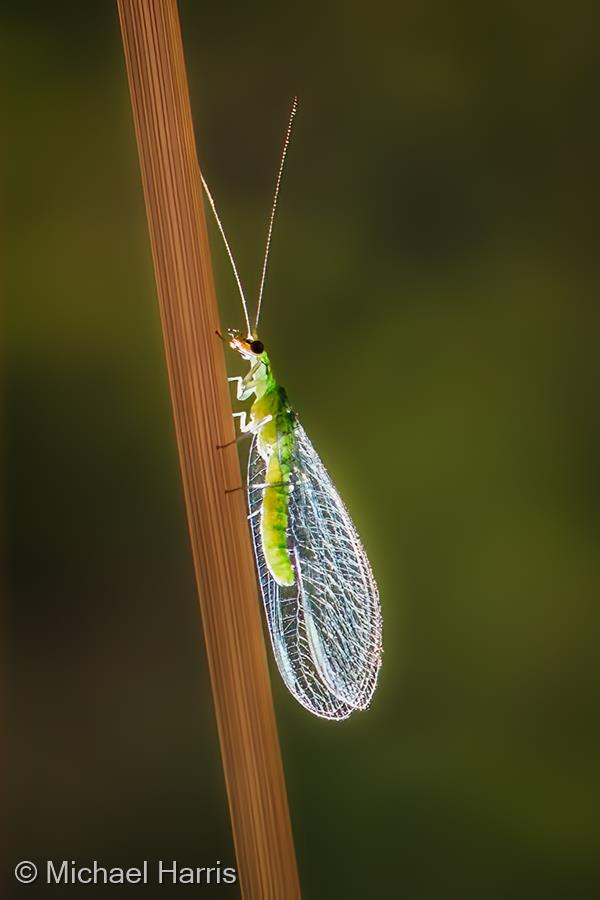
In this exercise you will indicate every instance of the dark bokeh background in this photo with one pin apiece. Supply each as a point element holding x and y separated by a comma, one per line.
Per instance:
<point>432,307</point>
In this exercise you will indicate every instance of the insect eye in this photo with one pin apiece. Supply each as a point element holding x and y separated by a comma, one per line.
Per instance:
<point>257,346</point>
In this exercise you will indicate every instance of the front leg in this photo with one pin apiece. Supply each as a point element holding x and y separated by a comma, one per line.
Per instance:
<point>247,385</point>
<point>244,389</point>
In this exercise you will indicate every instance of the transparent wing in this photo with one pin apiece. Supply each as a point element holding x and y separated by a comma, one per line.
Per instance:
<point>326,628</point>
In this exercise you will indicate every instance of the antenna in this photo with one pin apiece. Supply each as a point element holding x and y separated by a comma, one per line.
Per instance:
<point>229,253</point>
<point>274,207</point>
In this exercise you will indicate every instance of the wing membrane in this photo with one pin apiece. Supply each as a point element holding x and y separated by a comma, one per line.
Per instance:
<point>326,628</point>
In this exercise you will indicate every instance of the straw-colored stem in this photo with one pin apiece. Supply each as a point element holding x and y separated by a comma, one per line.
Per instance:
<point>202,412</point>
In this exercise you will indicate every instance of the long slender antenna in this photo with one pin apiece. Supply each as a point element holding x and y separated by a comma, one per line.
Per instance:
<point>229,253</point>
<point>274,207</point>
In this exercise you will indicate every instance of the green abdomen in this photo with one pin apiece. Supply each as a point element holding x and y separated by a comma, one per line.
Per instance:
<point>275,445</point>
<point>273,526</point>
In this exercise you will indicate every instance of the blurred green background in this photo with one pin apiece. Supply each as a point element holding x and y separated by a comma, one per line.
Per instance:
<point>432,308</point>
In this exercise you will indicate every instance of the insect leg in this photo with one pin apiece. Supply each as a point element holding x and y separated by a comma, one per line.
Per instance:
<point>247,428</point>
<point>241,437</point>
<point>260,425</point>
<point>244,388</point>
<point>251,427</point>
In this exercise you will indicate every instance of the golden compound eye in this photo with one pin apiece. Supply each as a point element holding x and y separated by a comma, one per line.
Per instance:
<point>257,346</point>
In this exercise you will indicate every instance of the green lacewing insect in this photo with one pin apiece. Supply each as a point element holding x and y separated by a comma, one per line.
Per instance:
<point>320,597</point>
